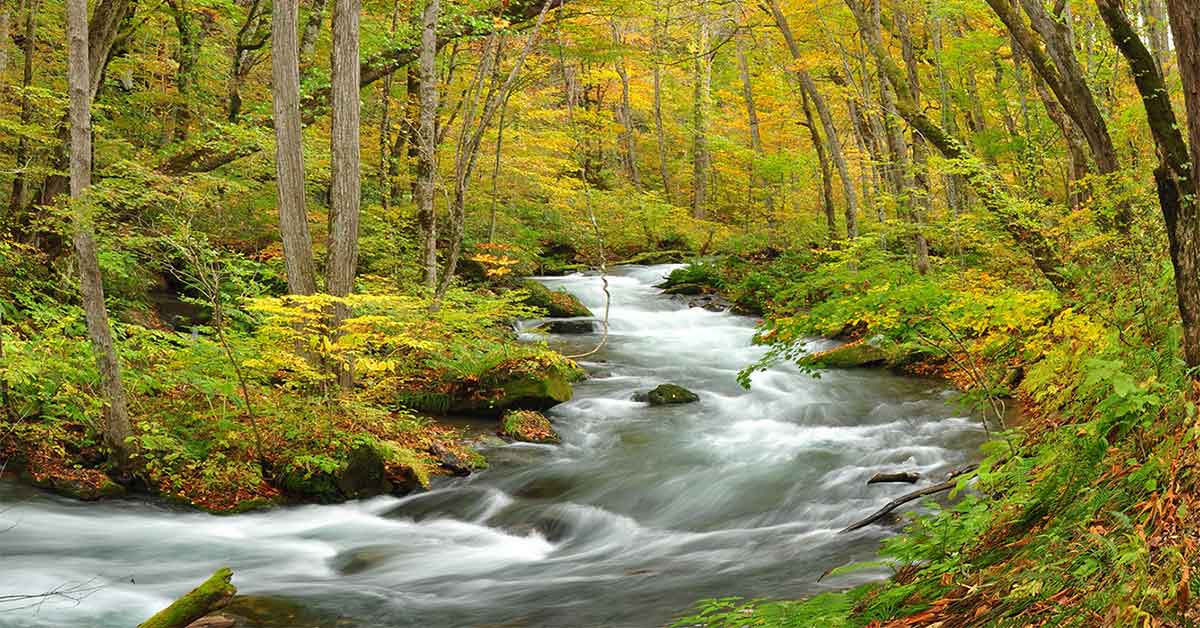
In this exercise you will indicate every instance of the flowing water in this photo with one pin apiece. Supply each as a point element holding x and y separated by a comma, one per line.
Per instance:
<point>639,513</point>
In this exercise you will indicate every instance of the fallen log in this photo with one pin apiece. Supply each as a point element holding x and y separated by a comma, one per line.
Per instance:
<point>950,483</point>
<point>212,595</point>
<point>907,477</point>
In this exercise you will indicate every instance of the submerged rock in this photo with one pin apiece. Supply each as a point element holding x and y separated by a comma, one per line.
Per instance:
<point>666,394</point>
<point>557,303</point>
<point>527,426</point>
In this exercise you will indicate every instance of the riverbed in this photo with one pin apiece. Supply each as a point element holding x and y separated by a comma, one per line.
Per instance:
<point>637,514</point>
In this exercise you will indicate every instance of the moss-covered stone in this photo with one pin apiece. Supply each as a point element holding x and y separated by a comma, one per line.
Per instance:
<point>650,258</point>
<point>850,355</point>
<point>212,595</point>
<point>667,394</point>
<point>362,474</point>
<point>557,303</point>
<point>527,426</point>
<point>535,384</point>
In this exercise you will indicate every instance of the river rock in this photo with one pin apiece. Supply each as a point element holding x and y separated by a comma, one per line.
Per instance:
<point>666,394</point>
<point>529,385</point>
<point>557,303</point>
<point>571,326</point>
<point>650,258</point>
<point>856,354</point>
<point>527,426</point>
<point>362,475</point>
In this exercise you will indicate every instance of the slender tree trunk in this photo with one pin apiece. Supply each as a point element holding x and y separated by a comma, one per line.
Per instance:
<point>823,162</point>
<point>385,123</point>
<point>701,97</point>
<point>660,132</point>
<point>187,56</point>
<point>251,37</point>
<point>346,161</point>
<point>756,143</point>
<point>467,154</point>
<point>831,135</point>
<point>629,136</point>
<point>22,153</point>
<point>496,172</point>
<point>1154,13</point>
<point>919,195</point>
<point>5,36</point>
<point>289,150</point>
<point>952,182</point>
<point>312,28</point>
<point>117,427</point>
<point>427,143</point>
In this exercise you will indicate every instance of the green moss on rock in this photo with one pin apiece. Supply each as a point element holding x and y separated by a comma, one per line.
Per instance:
<point>667,394</point>
<point>857,354</point>
<point>527,426</point>
<point>213,594</point>
<point>557,303</point>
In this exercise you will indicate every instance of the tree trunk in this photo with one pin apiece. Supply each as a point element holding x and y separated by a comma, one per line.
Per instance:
<point>831,135</point>
<point>344,166</point>
<point>5,36</point>
<point>496,173</point>
<point>187,56</point>
<point>250,38</point>
<point>756,143</point>
<point>117,427</point>
<point>629,137</point>
<point>823,161</point>
<point>385,124</point>
<point>467,154</point>
<point>427,143</point>
<point>919,194</point>
<point>22,153</point>
<point>1154,14</point>
<point>659,132</point>
<point>701,97</point>
<point>952,182</point>
<point>289,149</point>
<point>312,28</point>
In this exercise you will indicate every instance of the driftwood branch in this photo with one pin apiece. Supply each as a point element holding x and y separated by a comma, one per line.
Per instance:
<point>906,477</point>
<point>904,499</point>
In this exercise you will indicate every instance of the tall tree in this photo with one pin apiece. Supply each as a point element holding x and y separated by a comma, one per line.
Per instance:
<point>289,149</point>
<point>346,159</point>
<point>22,153</point>
<point>831,134</point>
<point>756,143</point>
<point>427,142</point>
<point>701,103</point>
<point>190,27</point>
<point>660,133</point>
<point>625,110</point>
<point>117,427</point>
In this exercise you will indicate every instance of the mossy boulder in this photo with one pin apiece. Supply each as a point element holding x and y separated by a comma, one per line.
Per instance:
<point>536,383</point>
<point>858,354</point>
<point>82,484</point>
<point>361,474</point>
<point>527,426</point>
<point>212,595</point>
<point>666,394</point>
<point>651,258</point>
<point>557,303</point>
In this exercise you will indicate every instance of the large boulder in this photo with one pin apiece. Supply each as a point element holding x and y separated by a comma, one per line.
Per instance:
<point>527,384</point>
<point>860,353</point>
<point>666,394</point>
<point>557,303</point>
<point>529,426</point>
<point>362,474</point>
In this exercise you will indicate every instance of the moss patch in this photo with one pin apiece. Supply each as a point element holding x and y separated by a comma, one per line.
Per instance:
<point>527,426</point>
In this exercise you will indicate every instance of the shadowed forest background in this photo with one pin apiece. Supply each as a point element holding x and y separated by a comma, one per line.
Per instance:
<point>254,253</point>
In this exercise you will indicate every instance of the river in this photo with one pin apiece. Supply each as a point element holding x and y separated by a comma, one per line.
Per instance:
<point>639,512</point>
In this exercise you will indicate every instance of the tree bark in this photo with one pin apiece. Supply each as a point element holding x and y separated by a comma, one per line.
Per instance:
<point>427,143</point>
<point>822,161</point>
<point>756,143</point>
<point>701,97</point>
<point>660,133</point>
<point>919,194</point>
<point>5,36</point>
<point>187,56</point>
<point>629,137</point>
<point>345,163</point>
<point>312,28</point>
<point>251,37</point>
<point>117,427</point>
<point>21,155</point>
<point>831,135</point>
<point>289,149</point>
<point>1154,15</point>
